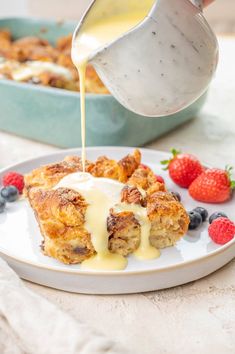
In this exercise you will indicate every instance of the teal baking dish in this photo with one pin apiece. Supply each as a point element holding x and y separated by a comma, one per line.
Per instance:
<point>52,115</point>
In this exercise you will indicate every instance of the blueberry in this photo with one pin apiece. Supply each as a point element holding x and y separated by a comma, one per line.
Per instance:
<point>10,194</point>
<point>195,220</point>
<point>216,215</point>
<point>203,212</point>
<point>176,195</point>
<point>2,205</point>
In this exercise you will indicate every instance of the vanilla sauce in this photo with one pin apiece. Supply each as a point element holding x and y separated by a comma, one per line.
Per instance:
<point>102,194</point>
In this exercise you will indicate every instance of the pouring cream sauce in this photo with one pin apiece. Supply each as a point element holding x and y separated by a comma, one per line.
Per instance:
<point>96,32</point>
<point>101,194</point>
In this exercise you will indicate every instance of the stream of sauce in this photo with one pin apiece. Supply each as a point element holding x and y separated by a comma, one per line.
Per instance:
<point>101,194</point>
<point>97,33</point>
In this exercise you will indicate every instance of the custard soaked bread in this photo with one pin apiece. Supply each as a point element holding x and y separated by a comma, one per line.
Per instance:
<point>61,212</point>
<point>34,60</point>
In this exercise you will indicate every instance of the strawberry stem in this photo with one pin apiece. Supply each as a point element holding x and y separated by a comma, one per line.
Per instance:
<point>229,170</point>
<point>166,163</point>
<point>175,152</point>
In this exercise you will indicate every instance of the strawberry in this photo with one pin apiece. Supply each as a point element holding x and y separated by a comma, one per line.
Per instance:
<point>213,186</point>
<point>222,230</point>
<point>183,168</point>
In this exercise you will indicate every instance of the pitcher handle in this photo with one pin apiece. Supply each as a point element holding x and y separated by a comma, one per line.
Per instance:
<point>198,4</point>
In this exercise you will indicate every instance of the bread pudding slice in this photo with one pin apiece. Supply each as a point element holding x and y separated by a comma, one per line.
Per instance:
<point>49,175</point>
<point>19,54</point>
<point>169,222</point>
<point>169,219</point>
<point>61,212</point>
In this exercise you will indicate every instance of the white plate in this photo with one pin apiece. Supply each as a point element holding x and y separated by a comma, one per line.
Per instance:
<point>194,257</point>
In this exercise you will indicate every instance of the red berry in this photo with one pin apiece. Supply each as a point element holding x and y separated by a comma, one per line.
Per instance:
<point>222,230</point>
<point>144,167</point>
<point>14,179</point>
<point>212,186</point>
<point>183,168</point>
<point>160,179</point>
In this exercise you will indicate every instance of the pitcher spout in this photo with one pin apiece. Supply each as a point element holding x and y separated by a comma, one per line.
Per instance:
<point>160,63</point>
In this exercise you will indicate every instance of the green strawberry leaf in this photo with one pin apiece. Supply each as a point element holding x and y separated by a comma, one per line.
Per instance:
<point>229,170</point>
<point>175,152</point>
<point>232,184</point>
<point>167,162</point>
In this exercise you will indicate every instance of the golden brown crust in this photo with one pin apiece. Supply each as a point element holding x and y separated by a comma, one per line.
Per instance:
<point>168,217</point>
<point>5,34</point>
<point>61,212</point>
<point>34,48</point>
<point>30,42</point>
<point>63,44</point>
<point>61,216</point>
<point>145,178</point>
<point>5,42</point>
<point>128,165</point>
<point>104,167</point>
<point>93,83</point>
<point>121,170</point>
<point>124,232</point>
<point>49,175</point>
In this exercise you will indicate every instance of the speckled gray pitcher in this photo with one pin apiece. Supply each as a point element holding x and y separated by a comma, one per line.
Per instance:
<point>162,65</point>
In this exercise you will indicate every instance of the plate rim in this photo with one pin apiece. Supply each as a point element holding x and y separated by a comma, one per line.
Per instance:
<point>83,272</point>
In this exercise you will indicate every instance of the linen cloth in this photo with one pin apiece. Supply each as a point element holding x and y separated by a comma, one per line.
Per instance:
<point>31,324</point>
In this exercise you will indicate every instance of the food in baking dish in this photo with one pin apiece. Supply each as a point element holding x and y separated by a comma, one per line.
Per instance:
<point>36,61</point>
<point>61,211</point>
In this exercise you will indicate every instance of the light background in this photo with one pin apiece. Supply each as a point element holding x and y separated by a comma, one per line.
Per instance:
<point>221,14</point>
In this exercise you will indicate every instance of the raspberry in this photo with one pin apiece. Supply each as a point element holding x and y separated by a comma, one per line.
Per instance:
<point>222,230</point>
<point>144,167</point>
<point>14,179</point>
<point>160,179</point>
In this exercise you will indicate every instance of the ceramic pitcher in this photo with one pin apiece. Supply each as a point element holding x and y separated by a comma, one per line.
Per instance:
<point>162,65</point>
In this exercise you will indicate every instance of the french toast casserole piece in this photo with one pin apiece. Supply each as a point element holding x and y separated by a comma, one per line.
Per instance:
<point>61,212</point>
<point>18,53</point>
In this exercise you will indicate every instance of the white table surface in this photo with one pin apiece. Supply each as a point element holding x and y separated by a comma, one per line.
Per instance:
<point>198,317</point>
